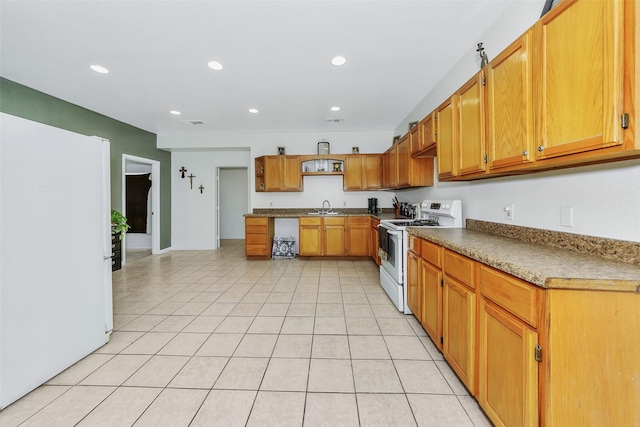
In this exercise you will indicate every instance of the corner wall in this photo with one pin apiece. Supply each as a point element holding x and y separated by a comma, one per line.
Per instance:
<point>22,101</point>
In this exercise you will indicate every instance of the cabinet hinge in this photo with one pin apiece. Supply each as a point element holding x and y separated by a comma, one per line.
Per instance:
<point>484,81</point>
<point>441,283</point>
<point>441,339</point>
<point>624,120</point>
<point>485,158</point>
<point>538,353</point>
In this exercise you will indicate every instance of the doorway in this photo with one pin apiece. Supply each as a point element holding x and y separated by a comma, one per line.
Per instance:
<point>232,202</point>
<point>146,239</point>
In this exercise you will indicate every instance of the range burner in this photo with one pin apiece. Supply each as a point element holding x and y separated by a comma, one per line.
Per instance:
<point>425,223</point>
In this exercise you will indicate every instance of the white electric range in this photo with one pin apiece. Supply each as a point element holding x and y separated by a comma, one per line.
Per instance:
<point>393,240</point>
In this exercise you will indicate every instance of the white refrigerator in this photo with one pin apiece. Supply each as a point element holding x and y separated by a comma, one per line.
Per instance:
<point>55,247</point>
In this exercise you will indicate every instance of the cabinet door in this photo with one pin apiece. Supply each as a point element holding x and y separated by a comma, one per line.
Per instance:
<point>414,294</point>
<point>372,172</point>
<point>430,280</point>
<point>579,77</point>
<point>459,325</point>
<point>447,134</point>
<point>334,236</point>
<point>471,125</point>
<point>273,173</point>
<point>393,166</point>
<point>415,139</point>
<point>353,172</point>
<point>510,105</point>
<point>428,134</point>
<point>508,371</point>
<point>310,231</point>
<point>292,174</point>
<point>403,166</point>
<point>358,236</point>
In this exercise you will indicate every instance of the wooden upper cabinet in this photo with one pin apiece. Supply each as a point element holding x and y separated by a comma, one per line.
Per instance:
<point>471,126</point>
<point>393,166</point>
<point>427,136</point>
<point>510,105</point>
<point>363,172</point>
<point>292,180</point>
<point>402,161</point>
<point>282,173</point>
<point>579,77</point>
<point>447,134</point>
<point>415,139</point>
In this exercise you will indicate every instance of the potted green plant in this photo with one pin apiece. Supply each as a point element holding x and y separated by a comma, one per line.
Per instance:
<point>118,223</point>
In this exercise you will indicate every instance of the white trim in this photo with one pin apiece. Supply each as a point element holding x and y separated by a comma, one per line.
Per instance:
<point>155,201</point>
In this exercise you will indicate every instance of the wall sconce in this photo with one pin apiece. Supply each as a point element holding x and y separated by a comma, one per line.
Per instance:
<point>182,171</point>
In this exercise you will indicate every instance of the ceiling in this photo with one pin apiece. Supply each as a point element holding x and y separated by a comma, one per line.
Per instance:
<point>276,57</point>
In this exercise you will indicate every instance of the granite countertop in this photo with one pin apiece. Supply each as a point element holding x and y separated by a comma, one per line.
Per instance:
<point>544,266</point>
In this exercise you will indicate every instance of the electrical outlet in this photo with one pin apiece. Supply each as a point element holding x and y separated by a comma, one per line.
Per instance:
<point>344,204</point>
<point>271,204</point>
<point>508,211</point>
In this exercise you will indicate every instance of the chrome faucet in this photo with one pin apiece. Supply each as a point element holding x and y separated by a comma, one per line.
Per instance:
<point>326,210</point>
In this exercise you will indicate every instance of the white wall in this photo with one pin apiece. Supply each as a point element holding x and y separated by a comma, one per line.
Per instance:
<point>606,198</point>
<point>193,216</point>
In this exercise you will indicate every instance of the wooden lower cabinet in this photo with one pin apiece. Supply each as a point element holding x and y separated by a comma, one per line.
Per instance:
<point>533,356</point>
<point>322,236</point>
<point>414,290</point>
<point>430,281</point>
<point>508,370</point>
<point>310,235</point>
<point>358,230</point>
<point>258,237</point>
<point>459,330</point>
<point>334,236</point>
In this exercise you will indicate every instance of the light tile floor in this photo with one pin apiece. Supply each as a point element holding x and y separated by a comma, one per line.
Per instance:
<point>207,338</point>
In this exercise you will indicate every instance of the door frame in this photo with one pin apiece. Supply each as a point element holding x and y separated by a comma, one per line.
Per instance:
<point>217,198</point>
<point>155,201</point>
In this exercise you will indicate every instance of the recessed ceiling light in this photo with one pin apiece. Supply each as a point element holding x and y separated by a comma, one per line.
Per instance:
<point>175,113</point>
<point>253,110</point>
<point>338,60</point>
<point>215,65</point>
<point>99,69</point>
<point>335,108</point>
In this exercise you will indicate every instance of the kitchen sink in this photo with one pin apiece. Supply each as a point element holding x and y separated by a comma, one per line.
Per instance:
<point>322,213</point>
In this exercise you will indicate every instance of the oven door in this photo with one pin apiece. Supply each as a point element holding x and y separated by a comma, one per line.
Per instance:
<point>392,263</point>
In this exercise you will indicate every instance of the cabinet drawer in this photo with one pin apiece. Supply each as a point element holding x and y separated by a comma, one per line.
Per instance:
<point>256,221</point>
<point>358,221</point>
<point>255,229</point>
<point>512,294</point>
<point>334,221</point>
<point>310,221</point>
<point>256,250</point>
<point>256,239</point>
<point>460,267</point>
<point>414,244</point>
<point>431,252</point>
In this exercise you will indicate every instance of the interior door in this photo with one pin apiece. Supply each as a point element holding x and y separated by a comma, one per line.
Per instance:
<point>55,275</point>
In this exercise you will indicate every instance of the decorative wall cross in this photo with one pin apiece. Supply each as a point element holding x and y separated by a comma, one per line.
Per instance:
<point>182,170</point>
<point>191,180</point>
<point>201,188</point>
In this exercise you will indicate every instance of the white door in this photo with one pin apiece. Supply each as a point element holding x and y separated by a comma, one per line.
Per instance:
<point>55,276</point>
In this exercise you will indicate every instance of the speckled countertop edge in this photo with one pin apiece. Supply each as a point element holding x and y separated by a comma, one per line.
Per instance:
<point>297,213</point>
<point>544,266</point>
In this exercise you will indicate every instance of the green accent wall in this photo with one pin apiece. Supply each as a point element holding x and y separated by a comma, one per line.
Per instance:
<point>22,101</point>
